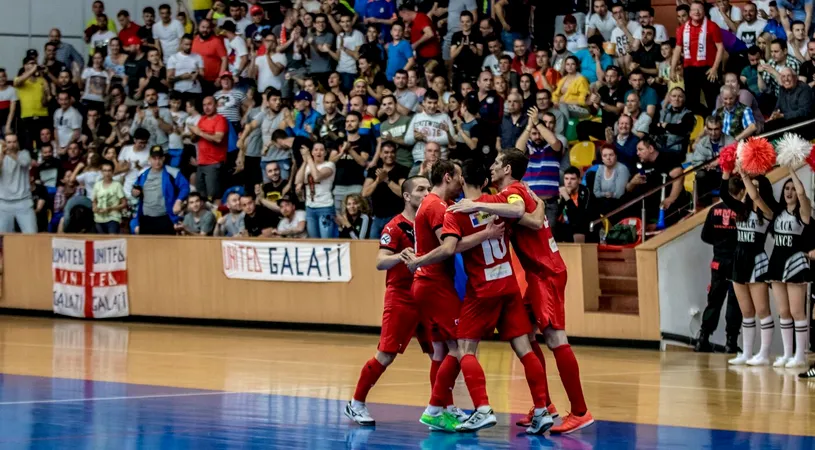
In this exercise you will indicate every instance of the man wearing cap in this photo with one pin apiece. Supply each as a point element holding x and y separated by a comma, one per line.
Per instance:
<point>229,100</point>
<point>575,40</point>
<point>168,32</point>
<point>161,191</point>
<point>213,52</point>
<point>129,28</point>
<point>305,118</point>
<point>136,64</point>
<point>32,90</point>
<point>293,222</point>
<point>259,23</point>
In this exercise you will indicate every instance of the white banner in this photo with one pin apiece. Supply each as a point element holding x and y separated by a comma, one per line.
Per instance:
<point>90,278</point>
<point>287,261</point>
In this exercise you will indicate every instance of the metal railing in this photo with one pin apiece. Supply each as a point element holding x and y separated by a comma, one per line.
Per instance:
<point>642,198</point>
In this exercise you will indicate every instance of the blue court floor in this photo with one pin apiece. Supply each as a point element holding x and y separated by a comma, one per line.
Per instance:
<point>57,413</point>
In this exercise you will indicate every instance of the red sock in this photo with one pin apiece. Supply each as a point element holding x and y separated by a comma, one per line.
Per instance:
<point>570,377</point>
<point>536,379</point>
<point>371,372</point>
<point>536,348</point>
<point>434,369</point>
<point>445,381</point>
<point>476,382</point>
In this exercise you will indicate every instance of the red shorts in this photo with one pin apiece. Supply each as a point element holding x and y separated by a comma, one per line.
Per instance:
<point>400,321</point>
<point>480,316</point>
<point>439,305</point>
<point>546,297</point>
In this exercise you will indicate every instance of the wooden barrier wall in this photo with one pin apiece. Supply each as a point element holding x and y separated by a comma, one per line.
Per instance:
<point>183,278</point>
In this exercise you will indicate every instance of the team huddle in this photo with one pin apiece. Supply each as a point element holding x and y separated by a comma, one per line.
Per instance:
<point>417,249</point>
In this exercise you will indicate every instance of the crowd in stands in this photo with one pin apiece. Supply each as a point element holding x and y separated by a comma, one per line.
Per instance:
<point>246,118</point>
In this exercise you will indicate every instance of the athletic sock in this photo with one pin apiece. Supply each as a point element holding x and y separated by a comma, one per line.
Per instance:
<point>748,331</point>
<point>476,382</point>
<point>801,327</point>
<point>536,379</point>
<point>445,380</point>
<point>767,327</point>
<point>787,332</point>
<point>368,377</point>
<point>570,377</point>
<point>536,348</point>
<point>434,369</point>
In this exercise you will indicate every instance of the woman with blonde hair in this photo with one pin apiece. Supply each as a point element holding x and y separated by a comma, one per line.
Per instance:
<point>355,220</point>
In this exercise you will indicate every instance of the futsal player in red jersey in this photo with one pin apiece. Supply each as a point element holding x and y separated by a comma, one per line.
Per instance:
<point>493,299</point>
<point>401,315</point>
<point>545,275</point>
<point>434,289</point>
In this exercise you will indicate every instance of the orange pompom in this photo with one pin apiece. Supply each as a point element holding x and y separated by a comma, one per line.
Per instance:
<point>727,158</point>
<point>756,156</point>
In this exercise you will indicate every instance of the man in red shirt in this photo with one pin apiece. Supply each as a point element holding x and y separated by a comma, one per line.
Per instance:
<point>127,27</point>
<point>699,43</point>
<point>545,275</point>
<point>401,316</point>
<point>212,50</point>
<point>212,134</point>
<point>423,36</point>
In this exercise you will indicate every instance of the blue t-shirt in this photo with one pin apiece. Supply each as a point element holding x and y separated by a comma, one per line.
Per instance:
<point>587,68</point>
<point>795,8</point>
<point>647,97</point>
<point>381,9</point>
<point>398,56</point>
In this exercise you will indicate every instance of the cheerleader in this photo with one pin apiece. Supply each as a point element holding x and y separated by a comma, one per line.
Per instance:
<point>754,213</point>
<point>789,270</point>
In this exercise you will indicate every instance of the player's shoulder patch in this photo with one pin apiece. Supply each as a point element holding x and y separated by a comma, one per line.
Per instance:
<point>385,239</point>
<point>514,198</point>
<point>480,219</point>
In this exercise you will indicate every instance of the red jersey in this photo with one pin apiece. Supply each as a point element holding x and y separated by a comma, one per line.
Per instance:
<point>692,53</point>
<point>429,218</point>
<point>210,152</point>
<point>489,265</point>
<point>432,47</point>
<point>536,249</point>
<point>397,236</point>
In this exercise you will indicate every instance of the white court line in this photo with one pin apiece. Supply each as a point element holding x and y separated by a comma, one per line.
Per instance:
<point>699,388</point>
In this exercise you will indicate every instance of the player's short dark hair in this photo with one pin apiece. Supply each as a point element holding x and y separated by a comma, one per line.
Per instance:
<point>409,184</point>
<point>279,134</point>
<point>517,162</point>
<point>440,169</point>
<point>572,170</point>
<point>474,173</point>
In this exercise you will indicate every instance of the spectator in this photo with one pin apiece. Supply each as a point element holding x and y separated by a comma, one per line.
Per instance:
<point>593,61</point>
<point>258,222</point>
<point>544,104</point>
<point>770,73</point>
<point>168,32</point>
<point>269,68</point>
<point>32,90</point>
<point>706,149</point>
<point>600,22</point>
<point>348,43</point>
<point>657,168</point>
<point>51,65</point>
<point>15,189</point>
<point>109,201</point>
<point>273,189</point>
<point>575,40</point>
<point>213,52</point>
<point>807,71</point>
<point>492,62</point>
<point>675,124</point>
<point>610,99</point>
<point>67,123</point>
<point>774,26</point>
<point>199,221</point>
<point>64,199</point>
<point>725,15</point>
<point>647,95</point>
<point>100,38</point>
<point>625,141</point>
<point>161,191</point>
<point>229,100</point>
<point>145,33</point>
<point>114,63</point>
<point>459,11</point>
<point>158,121</point>
<point>736,118</point>
<point>293,223</point>
<point>383,186</point>
<point>314,180</point>
<point>232,223</point>
<point>127,28</point>
<point>175,143</point>
<point>430,125</point>
<point>432,154</point>
<point>212,132</point>
<point>41,200</point>
<point>465,48</point>
<point>514,17</point>
<point>330,127</point>
<point>66,53</point>
<point>513,124</point>
<point>626,36</point>
<point>546,77</point>
<point>645,17</point>
<point>8,103</point>
<point>745,97</point>
<point>237,17</point>
<point>406,100</point>
<point>185,68</point>
<point>544,150</point>
<point>423,36</point>
<point>394,128</point>
<point>572,90</point>
<point>609,180</point>
<point>702,60</point>
<point>355,221</point>
<point>751,26</point>
<point>350,159</point>
<point>97,83</point>
<point>132,159</point>
<point>305,119</point>
<point>468,131</point>
<point>794,102</point>
<point>648,55</point>
<point>136,64</point>
<point>574,211</point>
<point>523,61</point>
<point>270,121</point>
<point>320,59</point>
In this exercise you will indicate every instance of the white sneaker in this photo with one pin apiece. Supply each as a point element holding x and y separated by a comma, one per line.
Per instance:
<point>540,423</point>
<point>359,415</point>
<point>477,421</point>
<point>739,360</point>
<point>781,361</point>
<point>458,412</point>
<point>795,363</point>
<point>758,360</point>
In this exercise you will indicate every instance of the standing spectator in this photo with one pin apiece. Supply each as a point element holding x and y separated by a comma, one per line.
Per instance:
<point>347,52</point>
<point>751,27</point>
<point>423,36</point>
<point>465,48</point>
<point>699,43</point>
<point>355,220</point>
<point>66,53</point>
<point>314,180</point>
<point>330,128</point>
<point>168,32</point>
<point>394,128</point>
<point>213,52</point>
<point>132,160</point>
<point>161,193</point>
<point>514,17</point>
<point>270,67</point>
<point>384,186</point>
<point>98,8</point>
<point>430,125</point>
<point>99,40</point>
<point>293,223</point>
<point>646,18</point>
<point>136,64</point>
<point>513,123</point>
<point>574,209</point>
<point>8,104</point>
<point>158,121</point>
<point>199,221</point>
<point>544,150</point>
<point>109,201</point>
<point>50,63</point>
<point>229,100</point>
<point>97,83</point>
<point>114,62</point>
<point>320,59</point>
<point>145,33</point>
<point>128,28</point>
<point>258,25</point>
<point>237,54</point>
<point>184,69</point>
<point>305,119</point>
<point>648,55</point>
<point>232,223</point>
<point>15,189</point>
<point>725,15</point>
<point>212,132</point>
<point>237,16</point>
<point>406,99</point>
<point>67,123</point>
<point>32,90</point>
<point>258,222</point>
<point>351,159</point>
<point>706,149</point>
<point>457,10</point>
<point>269,121</point>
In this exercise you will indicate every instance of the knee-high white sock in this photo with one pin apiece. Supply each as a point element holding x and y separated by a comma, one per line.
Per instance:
<point>748,336</point>
<point>801,327</point>
<point>767,327</point>
<point>787,331</point>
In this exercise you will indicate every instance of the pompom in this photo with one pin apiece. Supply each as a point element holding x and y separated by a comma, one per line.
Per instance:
<point>811,158</point>
<point>792,150</point>
<point>727,158</point>
<point>756,156</point>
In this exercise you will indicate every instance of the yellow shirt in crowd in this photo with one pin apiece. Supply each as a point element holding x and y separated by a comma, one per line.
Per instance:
<point>30,95</point>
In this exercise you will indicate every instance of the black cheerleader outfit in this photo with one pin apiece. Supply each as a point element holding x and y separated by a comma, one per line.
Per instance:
<point>789,263</point>
<point>750,261</point>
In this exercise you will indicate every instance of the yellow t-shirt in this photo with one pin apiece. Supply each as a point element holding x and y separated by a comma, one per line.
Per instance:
<point>198,5</point>
<point>30,96</point>
<point>111,24</point>
<point>188,27</point>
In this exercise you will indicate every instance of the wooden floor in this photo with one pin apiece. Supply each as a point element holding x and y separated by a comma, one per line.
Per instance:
<point>637,386</point>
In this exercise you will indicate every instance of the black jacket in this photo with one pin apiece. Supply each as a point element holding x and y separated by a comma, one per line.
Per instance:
<point>720,232</point>
<point>574,218</point>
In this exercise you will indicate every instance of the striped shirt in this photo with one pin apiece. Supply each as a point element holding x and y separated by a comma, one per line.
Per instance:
<point>543,171</point>
<point>773,86</point>
<point>747,119</point>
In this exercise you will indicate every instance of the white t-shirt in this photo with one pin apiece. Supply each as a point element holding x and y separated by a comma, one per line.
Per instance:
<point>604,25</point>
<point>96,84</point>
<point>191,121</point>
<point>662,33</point>
<point>492,63</point>
<point>169,35</point>
<point>65,122</point>
<point>619,38</point>
<point>763,5</point>
<point>8,95</point>
<point>354,41</point>
<point>266,78</point>
<point>576,42</point>
<point>138,162</point>
<point>240,25</point>
<point>802,49</point>
<point>718,18</point>
<point>234,50</point>
<point>749,32</point>
<point>286,224</point>
<point>89,179</point>
<point>322,197</point>
<point>179,119</point>
<point>102,39</point>
<point>184,64</point>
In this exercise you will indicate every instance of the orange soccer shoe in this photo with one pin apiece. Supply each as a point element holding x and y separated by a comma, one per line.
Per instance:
<point>572,423</point>
<point>526,421</point>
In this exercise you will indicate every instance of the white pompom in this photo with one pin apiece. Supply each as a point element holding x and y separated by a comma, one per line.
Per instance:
<point>792,150</point>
